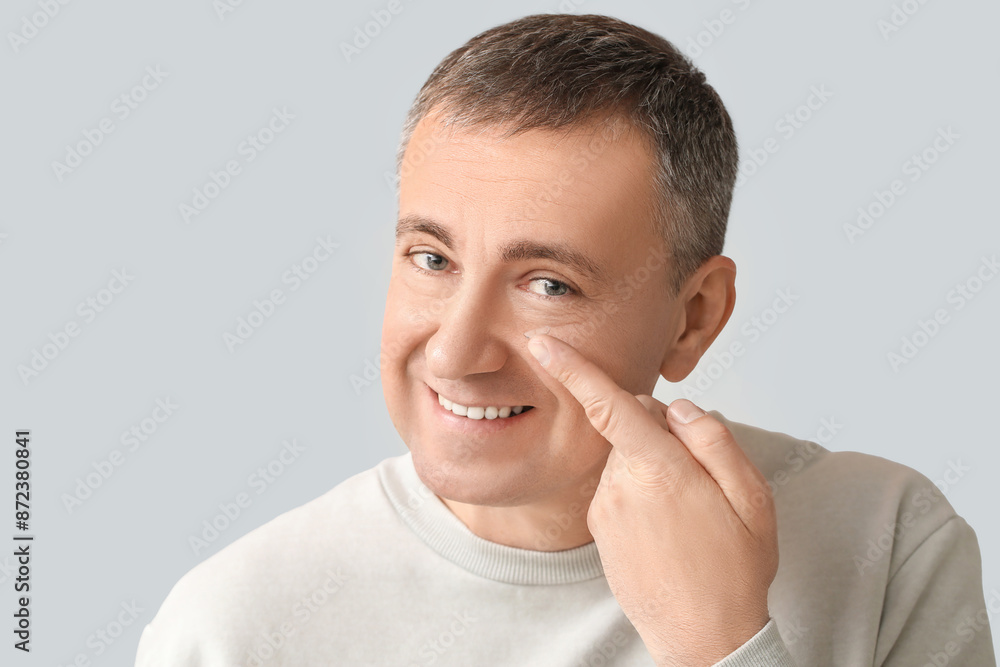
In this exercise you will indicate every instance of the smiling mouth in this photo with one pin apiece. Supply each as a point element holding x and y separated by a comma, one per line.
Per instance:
<point>482,412</point>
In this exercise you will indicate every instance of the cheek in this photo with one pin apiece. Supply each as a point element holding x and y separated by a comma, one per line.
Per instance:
<point>587,332</point>
<point>413,303</point>
<point>408,321</point>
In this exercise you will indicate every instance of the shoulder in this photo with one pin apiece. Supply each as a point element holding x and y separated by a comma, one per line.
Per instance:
<point>864,537</point>
<point>270,568</point>
<point>855,495</point>
<point>792,463</point>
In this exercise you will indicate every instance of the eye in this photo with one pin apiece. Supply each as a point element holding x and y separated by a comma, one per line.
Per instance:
<point>566,290</point>
<point>434,264</point>
<point>438,263</point>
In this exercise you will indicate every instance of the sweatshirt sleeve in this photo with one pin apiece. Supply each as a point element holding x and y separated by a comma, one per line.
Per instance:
<point>144,653</point>
<point>154,652</point>
<point>764,649</point>
<point>167,641</point>
<point>935,611</point>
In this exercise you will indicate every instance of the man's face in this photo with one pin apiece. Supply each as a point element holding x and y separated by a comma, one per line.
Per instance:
<point>456,311</point>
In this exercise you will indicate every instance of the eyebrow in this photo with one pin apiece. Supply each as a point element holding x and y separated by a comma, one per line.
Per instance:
<point>513,251</point>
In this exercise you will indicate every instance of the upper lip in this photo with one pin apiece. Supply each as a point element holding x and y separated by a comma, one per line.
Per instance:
<point>478,402</point>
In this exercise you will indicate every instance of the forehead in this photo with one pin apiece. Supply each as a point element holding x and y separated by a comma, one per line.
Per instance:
<point>589,180</point>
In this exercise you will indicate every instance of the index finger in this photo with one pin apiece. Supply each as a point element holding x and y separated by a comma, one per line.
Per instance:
<point>614,412</point>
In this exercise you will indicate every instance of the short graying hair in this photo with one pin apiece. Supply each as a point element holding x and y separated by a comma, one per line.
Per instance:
<point>553,71</point>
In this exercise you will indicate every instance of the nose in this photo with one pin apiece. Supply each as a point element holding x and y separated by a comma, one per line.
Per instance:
<point>469,335</point>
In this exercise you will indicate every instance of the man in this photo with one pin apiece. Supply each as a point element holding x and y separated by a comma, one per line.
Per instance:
<point>564,188</point>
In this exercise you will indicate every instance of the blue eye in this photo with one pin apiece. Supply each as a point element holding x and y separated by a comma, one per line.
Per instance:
<point>423,252</point>
<point>440,264</point>
<point>566,289</point>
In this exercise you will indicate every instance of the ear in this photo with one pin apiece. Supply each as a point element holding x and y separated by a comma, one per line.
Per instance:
<point>704,304</point>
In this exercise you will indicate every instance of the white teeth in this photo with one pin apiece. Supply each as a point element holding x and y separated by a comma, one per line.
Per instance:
<point>489,412</point>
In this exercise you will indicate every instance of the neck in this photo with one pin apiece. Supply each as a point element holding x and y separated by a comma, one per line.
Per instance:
<point>545,526</point>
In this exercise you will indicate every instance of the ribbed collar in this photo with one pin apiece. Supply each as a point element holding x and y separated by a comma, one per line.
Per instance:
<point>445,533</point>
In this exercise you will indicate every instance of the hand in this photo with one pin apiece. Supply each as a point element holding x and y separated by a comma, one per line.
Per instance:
<point>684,522</point>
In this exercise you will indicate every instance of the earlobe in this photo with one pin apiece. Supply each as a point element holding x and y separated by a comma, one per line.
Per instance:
<point>705,313</point>
<point>679,359</point>
<point>678,363</point>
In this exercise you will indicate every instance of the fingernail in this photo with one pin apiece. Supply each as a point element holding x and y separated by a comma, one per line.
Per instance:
<point>541,330</point>
<point>685,411</point>
<point>539,350</point>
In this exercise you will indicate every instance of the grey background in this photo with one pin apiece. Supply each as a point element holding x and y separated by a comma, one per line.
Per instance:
<point>325,174</point>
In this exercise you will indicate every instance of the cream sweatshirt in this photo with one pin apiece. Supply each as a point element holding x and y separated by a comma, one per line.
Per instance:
<point>875,568</point>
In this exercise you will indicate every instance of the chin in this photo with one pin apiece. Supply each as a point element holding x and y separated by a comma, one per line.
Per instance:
<point>471,483</point>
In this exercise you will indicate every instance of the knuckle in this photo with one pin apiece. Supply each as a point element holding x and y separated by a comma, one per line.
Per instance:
<point>600,414</point>
<point>616,418</point>
<point>714,433</point>
<point>566,376</point>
